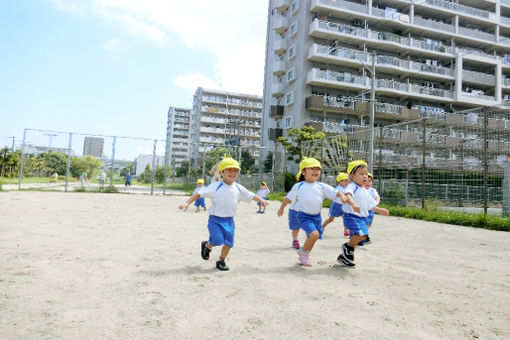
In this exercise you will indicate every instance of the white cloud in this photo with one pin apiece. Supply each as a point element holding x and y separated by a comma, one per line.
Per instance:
<point>191,81</point>
<point>111,44</point>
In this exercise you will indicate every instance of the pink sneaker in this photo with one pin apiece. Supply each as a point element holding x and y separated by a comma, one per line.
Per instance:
<point>295,244</point>
<point>304,258</point>
<point>346,233</point>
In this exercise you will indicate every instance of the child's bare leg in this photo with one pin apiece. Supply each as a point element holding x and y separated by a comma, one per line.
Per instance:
<point>310,241</point>
<point>328,221</point>
<point>295,234</point>
<point>355,239</point>
<point>224,251</point>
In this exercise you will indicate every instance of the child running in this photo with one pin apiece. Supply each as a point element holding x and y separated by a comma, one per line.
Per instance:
<point>335,210</point>
<point>309,194</point>
<point>263,191</point>
<point>225,196</point>
<point>356,221</point>
<point>376,197</point>
<point>200,202</point>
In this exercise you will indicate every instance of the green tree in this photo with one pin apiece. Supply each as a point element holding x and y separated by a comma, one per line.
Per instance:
<point>268,162</point>
<point>247,161</point>
<point>9,163</point>
<point>296,138</point>
<point>55,161</point>
<point>86,163</point>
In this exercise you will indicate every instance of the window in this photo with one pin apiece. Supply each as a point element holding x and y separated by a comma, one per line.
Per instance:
<point>293,29</point>
<point>289,98</point>
<point>294,7</point>
<point>287,123</point>
<point>292,52</point>
<point>291,74</point>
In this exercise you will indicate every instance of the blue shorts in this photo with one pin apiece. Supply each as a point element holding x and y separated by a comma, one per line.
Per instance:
<point>258,203</point>
<point>357,225</point>
<point>310,223</point>
<point>200,202</point>
<point>335,210</point>
<point>221,230</point>
<point>293,221</point>
<point>370,218</point>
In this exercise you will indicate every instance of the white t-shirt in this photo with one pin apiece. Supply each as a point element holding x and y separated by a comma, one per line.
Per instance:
<point>310,196</point>
<point>362,197</point>
<point>225,198</point>
<point>262,193</point>
<point>342,190</point>
<point>373,193</point>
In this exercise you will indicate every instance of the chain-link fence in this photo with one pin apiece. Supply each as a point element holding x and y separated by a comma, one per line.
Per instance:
<point>460,159</point>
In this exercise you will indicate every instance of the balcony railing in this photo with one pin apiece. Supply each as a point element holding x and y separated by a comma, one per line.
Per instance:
<point>345,5</point>
<point>459,8</point>
<point>479,77</point>
<point>434,25</point>
<point>477,34</point>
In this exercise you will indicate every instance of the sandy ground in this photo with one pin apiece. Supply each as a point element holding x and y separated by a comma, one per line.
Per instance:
<point>113,266</point>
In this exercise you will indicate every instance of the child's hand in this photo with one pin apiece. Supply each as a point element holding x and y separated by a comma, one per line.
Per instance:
<point>183,206</point>
<point>343,198</point>
<point>384,212</point>
<point>280,212</point>
<point>356,207</point>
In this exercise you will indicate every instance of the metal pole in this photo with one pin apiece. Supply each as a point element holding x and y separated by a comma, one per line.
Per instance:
<point>272,164</point>
<point>372,117</point>
<point>461,171</point>
<point>153,166</point>
<point>424,148</point>
<point>113,159</point>
<point>485,160</point>
<point>379,176</point>
<point>13,137</point>
<point>68,162</point>
<point>21,160</point>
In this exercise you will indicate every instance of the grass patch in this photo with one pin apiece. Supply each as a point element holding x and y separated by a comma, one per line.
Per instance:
<point>434,214</point>
<point>188,187</point>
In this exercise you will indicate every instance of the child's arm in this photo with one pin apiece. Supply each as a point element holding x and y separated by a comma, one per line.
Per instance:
<point>381,211</point>
<point>261,200</point>
<point>350,201</point>
<point>342,197</point>
<point>190,200</point>
<point>267,188</point>
<point>282,207</point>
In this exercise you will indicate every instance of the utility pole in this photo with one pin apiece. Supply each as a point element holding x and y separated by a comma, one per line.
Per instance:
<point>372,117</point>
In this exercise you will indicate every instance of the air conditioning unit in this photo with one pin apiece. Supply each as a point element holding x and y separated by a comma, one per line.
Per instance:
<point>357,23</point>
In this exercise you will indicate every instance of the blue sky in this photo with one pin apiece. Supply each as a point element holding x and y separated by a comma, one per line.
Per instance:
<point>113,67</point>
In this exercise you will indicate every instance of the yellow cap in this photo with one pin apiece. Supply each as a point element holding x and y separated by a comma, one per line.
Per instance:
<point>352,166</point>
<point>228,163</point>
<point>200,181</point>
<point>263,183</point>
<point>342,176</point>
<point>370,175</point>
<point>307,163</point>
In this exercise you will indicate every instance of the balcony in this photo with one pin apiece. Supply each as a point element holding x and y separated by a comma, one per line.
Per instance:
<point>338,79</point>
<point>276,111</point>
<point>280,46</point>
<point>459,8</point>
<point>441,26</point>
<point>281,6</point>
<point>274,134</point>
<point>281,24</point>
<point>477,34</point>
<point>478,78</point>
<point>338,4</point>
<point>279,68</point>
<point>278,89</point>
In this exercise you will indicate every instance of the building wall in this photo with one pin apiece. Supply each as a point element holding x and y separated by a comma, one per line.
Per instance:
<point>178,135</point>
<point>93,146</point>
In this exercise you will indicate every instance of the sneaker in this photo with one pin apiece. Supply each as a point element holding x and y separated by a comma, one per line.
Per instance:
<point>368,240</point>
<point>346,233</point>
<point>205,251</point>
<point>348,252</point>
<point>221,265</point>
<point>262,212</point>
<point>259,211</point>
<point>295,244</point>
<point>344,261</point>
<point>304,258</point>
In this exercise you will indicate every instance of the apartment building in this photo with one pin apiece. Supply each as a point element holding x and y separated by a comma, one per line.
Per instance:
<point>426,57</point>
<point>178,135</point>
<point>93,146</point>
<point>220,118</point>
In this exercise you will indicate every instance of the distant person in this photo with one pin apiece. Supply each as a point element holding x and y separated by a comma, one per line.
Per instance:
<point>54,178</point>
<point>215,172</point>
<point>200,202</point>
<point>127,183</point>
<point>84,179</point>
<point>102,179</point>
<point>335,210</point>
<point>263,191</point>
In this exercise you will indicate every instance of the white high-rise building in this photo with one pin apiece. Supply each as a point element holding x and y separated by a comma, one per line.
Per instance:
<point>93,146</point>
<point>178,134</point>
<point>220,118</point>
<point>429,57</point>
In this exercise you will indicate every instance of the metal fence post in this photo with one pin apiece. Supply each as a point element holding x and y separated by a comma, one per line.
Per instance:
<point>485,161</point>
<point>153,166</point>
<point>21,160</point>
<point>113,159</point>
<point>68,162</point>
<point>424,148</point>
